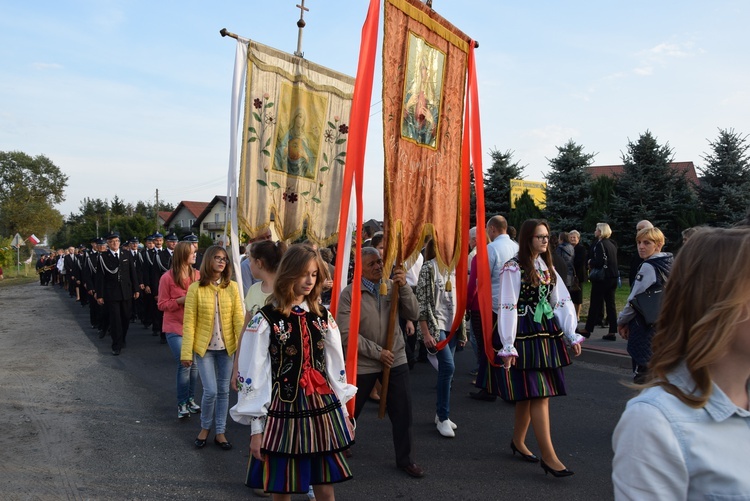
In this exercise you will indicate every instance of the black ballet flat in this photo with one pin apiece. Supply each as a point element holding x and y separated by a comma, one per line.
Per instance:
<point>556,473</point>
<point>531,458</point>
<point>201,443</point>
<point>224,445</point>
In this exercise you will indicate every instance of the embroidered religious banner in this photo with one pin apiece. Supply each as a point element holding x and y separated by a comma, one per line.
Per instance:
<point>424,77</point>
<point>294,146</point>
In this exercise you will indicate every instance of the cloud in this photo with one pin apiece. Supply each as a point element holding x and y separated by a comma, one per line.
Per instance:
<point>661,54</point>
<point>46,66</point>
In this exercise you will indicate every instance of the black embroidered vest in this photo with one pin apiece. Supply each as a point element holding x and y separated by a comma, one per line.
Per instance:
<point>286,350</point>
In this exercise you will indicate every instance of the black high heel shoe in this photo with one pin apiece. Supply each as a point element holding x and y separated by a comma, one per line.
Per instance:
<point>531,458</point>
<point>556,473</point>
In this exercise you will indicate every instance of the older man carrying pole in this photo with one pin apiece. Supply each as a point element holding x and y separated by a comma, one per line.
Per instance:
<point>373,357</point>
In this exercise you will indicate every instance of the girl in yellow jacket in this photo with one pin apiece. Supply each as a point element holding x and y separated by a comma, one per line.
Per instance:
<point>213,321</point>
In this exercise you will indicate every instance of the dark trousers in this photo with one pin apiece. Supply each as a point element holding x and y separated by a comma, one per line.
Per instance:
<point>488,377</point>
<point>119,320</point>
<point>94,312</point>
<point>398,406</point>
<point>603,293</point>
<point>149,305</point>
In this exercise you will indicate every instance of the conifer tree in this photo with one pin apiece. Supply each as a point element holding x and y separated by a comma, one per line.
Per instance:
<point>497,182</point>
<point>725,186</point>
<point>568,187</point>
<point>650,189</point>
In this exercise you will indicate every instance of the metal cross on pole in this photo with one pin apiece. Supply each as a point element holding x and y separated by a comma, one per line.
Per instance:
<point>300,25</point>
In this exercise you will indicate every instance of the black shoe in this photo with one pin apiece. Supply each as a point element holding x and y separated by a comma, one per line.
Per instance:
<point>115,352</point>
<point>531,458</point>
<point>583,333</point>
<point>200,442</point>
<point>102,334</point>
<point>556,473</point>
<point>609,337</point>
<point>413,470</point>
<point>224,445</point>
<point>482,395</point>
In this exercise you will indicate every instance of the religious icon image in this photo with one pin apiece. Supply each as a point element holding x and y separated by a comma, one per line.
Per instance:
<point>423,89</point>
<point>298,134</point>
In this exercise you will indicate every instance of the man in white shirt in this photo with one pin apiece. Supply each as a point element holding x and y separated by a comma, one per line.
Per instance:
<point>499,251</point>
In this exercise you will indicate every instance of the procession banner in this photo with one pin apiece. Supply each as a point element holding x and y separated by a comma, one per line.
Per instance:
<point>424,78</point>
<point>294,146</point>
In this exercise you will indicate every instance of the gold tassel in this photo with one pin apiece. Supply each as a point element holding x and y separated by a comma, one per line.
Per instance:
<point>383,288</point>
<point>448,286</point>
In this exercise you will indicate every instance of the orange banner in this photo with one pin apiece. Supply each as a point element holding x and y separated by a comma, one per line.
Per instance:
<point>424,78</point>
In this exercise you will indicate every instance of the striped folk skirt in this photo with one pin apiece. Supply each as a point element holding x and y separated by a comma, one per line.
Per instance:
<point>538,370</point>
<point>303,444</point>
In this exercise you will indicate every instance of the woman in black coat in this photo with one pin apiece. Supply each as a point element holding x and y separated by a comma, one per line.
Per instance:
<point>603,255</point>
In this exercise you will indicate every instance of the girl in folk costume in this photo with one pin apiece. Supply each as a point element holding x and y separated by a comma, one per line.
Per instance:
<point>293,386</point>
<point>536,324</point>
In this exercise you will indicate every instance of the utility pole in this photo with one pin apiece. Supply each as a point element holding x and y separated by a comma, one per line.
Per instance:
<point>156,211</point>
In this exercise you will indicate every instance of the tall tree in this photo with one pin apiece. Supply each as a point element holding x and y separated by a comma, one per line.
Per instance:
<point>29,189</point>
<point>525,209</point>
<point>568,187</point>
<point>600,210</point>
<point>497,182</point>
<point>650,189</point>
<point>725,186</point>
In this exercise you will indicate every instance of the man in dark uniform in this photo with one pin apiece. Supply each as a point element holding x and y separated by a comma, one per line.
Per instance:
<point>193,239</point>
<point>116,287</point>
<point>147,258</point>
<point>88,276</point>
<point>69,275</point>
<point>133,249</point>
<point>40,269</point>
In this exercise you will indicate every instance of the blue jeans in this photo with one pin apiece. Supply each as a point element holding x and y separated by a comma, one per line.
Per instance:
<point>215,368</point>
<point>186,376</point>
<point>446,368</point>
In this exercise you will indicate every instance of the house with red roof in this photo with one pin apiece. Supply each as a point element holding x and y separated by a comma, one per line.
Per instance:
<point>615,170</point>
<point>184,216</point>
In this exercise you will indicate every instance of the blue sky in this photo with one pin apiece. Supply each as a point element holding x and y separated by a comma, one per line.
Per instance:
<point>130,96</point>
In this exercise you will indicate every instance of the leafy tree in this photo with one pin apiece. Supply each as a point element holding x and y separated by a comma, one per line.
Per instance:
<point>525,209</point>
<point>497,182</point>
<point>650,189</point>
<point>725,186</point>
<point>568,187</point>
<point>29,189</point>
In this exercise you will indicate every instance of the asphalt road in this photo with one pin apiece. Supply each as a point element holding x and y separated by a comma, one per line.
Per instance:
<point>82,424</point>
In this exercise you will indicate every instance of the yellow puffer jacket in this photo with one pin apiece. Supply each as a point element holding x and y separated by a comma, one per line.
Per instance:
<point>198,323</point>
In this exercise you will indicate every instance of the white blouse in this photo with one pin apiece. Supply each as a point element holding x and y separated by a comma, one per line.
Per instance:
<point>255,379</point>
<point>507,321</point>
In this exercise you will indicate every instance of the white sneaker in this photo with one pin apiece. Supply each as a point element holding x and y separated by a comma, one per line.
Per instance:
<point>444,427</point>
<point>454,426</point>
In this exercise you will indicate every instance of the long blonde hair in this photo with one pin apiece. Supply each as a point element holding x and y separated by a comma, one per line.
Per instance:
<point>706,296</point>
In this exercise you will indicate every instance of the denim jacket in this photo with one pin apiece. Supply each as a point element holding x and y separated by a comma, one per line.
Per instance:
<point>665,449</point>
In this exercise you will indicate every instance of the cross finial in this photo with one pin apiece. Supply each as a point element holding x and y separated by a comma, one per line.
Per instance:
<point>300,25</point>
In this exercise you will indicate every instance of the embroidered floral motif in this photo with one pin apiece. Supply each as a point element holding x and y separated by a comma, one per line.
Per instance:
<point>320,344</point>
<point>560,303</point>
<point>511,265</point>
<point>282,331</point>
<point>342,376</point>
<point>244,386</point>
<point>291,351</point>
<point>321,366</point>
<point>331,322</point>
<point>273,349</point>
<point>254,323</point>
<point>322,326</point>
<point>508,306</point>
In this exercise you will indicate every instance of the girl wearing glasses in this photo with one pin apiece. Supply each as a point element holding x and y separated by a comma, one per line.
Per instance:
<point>536,324</point>
<point>293,386</point>
<point>213,322</point>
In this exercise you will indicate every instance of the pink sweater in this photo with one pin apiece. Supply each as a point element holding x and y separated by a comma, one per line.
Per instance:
<point>169,292</point>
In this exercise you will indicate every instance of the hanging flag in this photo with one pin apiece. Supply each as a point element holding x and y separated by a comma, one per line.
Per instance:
<point>424,78</point>
<point>33,239</point>
<point>294,146</point>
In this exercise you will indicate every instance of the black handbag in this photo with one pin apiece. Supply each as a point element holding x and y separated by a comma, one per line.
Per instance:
<point>648,304</point>
<point>599,274</point>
